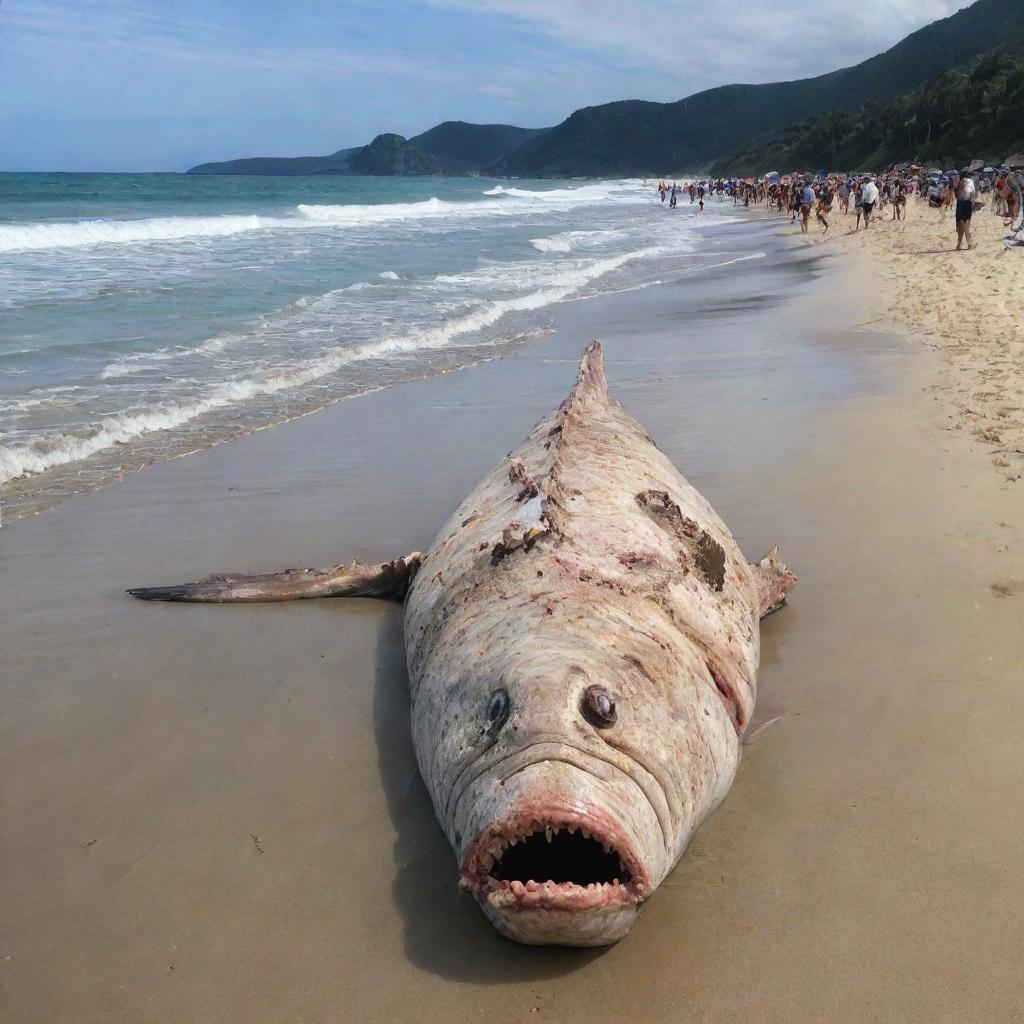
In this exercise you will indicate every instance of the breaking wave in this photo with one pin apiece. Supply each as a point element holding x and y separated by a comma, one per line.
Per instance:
<point>567,241</point>
<point>42,453</point>
<point>43,235</point>
<point>73,234</point>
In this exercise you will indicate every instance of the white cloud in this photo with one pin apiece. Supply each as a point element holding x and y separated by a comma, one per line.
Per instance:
<point>697,46</point>
<point>133,27</point>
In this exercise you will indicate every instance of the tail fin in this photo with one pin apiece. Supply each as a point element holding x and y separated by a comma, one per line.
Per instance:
<point>387,580</point>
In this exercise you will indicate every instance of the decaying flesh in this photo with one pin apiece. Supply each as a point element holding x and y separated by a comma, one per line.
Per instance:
<point>582,644</point>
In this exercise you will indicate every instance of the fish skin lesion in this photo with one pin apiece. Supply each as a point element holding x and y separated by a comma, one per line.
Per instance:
<point>711,560</point>
<point>708,555</point>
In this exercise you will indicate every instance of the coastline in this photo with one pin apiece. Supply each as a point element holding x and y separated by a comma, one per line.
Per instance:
<point>145,746</point>
<point>241,313</point>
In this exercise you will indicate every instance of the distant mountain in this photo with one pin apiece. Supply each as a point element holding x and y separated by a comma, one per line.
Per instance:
<point>454,147</point>
<point>957,117</point>
<point>464,148</point>
<point>393,155</point>
<point>634,137</point>
<point>336,163</point>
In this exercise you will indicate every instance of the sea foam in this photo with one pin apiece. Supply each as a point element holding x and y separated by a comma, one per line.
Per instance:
<point>42,235</point>
<point>73,234</point>
<point>41,453</point>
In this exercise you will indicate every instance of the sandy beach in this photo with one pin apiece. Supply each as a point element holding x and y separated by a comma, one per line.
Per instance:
<point>967,306</point>
<point>213,813</point>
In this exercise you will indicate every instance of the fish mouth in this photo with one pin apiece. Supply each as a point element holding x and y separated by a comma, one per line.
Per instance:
<point>556,859</point>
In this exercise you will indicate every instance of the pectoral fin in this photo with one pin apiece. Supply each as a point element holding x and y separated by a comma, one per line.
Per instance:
<point>389,580</point>
<point>774,581</point>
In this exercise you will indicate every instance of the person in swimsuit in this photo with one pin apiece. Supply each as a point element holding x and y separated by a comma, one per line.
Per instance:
<point>966,190</point>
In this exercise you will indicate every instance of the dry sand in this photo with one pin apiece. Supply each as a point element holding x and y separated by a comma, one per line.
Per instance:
<point>212,814</point>
<point>968,306</point>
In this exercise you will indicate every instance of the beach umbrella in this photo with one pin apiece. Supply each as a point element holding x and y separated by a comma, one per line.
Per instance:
<point>1017,160</point>
<point>975,165</point>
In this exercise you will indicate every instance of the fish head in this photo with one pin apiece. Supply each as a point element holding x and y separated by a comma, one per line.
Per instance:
<point>552,770</point>
<point>555,851</point>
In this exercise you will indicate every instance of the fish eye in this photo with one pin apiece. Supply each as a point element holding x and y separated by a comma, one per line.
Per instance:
<point>598,707</point>
<point>497,710</point>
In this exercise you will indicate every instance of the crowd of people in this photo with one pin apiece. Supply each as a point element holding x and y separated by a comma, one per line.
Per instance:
<point>867,197</point>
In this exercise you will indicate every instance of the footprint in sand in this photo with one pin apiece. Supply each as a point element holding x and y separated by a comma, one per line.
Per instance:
<point>1009,588</point>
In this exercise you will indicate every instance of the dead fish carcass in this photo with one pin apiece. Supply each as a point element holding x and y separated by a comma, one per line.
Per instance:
<point>582,642</point>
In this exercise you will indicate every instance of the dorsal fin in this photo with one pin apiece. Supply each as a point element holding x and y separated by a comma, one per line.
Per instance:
<point>590,384</point>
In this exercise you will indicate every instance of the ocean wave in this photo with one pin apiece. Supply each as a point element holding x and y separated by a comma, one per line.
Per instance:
<point>566,241</point>
<point>44,235</point>
<point>384,213</point>
<point>74,234</point>
<point>42,453</point>
<point>599,191</point>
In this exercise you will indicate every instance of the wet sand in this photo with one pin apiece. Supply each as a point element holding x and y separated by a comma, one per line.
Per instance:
<point>213,813</point>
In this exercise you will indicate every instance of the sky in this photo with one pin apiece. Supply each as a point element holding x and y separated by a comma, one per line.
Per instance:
<point>94,85</point>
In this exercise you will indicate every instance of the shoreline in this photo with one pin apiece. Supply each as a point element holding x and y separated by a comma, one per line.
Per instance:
<point>145,746</point>
<point>134,439</point>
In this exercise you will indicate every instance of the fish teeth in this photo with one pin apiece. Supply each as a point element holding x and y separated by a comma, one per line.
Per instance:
<point>548,834</point>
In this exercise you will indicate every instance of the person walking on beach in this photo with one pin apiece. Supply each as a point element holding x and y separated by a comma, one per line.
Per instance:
<point>868,198</point>
<point>899,199</point>
<point>966,190</point>
<point>807,199</point>
<point>824,206</point>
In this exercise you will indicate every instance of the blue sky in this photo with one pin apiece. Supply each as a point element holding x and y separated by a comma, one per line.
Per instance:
<point>140,85</point>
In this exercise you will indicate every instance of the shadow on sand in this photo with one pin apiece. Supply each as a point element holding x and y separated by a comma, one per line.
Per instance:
<point>445,932</point>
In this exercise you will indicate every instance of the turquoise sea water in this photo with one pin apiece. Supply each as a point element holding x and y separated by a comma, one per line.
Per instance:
<point>142,316</point>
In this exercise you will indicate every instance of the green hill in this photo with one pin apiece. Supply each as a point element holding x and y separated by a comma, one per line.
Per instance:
<point>454,147</point>
<point>634,137</point>
<point>958,116</point>
<point>463,148</point>
<point>390,155</point>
